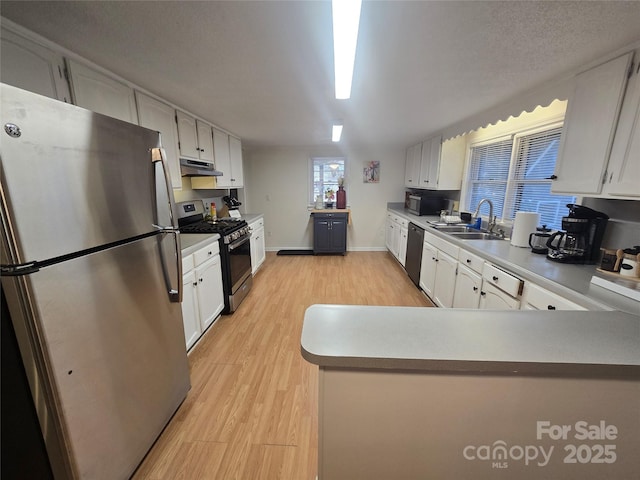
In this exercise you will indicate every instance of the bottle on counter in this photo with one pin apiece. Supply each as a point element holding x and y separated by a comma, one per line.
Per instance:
<point>212,211</point>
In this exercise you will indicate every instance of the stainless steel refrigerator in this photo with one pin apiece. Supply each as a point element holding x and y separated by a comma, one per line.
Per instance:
<point>91,271</point>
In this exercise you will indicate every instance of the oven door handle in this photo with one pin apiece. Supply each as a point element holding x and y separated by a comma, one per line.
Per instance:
<point>235,244</point>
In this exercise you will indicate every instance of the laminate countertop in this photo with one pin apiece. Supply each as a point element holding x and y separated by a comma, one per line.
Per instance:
<point>571,281</point>
<point>577,343</point>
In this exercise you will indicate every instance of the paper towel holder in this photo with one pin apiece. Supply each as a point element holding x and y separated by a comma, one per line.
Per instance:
<point>523,225</point>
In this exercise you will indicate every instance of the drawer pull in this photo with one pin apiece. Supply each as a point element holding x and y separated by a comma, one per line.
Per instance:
<point>551,307</point>
<point>495,279</point>
<point>468,260</point>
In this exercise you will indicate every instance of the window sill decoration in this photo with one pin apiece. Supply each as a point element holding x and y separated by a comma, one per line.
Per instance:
<point>329,194</point>
<point>371,172</point>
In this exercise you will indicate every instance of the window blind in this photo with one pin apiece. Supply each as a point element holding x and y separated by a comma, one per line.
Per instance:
<point>488,175</point>
<point>530,187</point>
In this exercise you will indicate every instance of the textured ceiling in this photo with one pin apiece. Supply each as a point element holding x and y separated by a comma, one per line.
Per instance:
<point>264,70</point>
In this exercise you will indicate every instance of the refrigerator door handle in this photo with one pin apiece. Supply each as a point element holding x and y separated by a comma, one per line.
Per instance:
<point>174,285</point>
<point>159,155</point>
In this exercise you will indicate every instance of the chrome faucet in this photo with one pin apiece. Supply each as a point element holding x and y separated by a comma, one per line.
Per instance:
<point>492,219</point>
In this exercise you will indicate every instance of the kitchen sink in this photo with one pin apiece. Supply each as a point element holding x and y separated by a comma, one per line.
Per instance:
<point>466,235</point>
<point>454,228</point>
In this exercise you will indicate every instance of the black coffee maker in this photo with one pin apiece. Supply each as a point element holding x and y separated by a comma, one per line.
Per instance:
<point>580,238</point>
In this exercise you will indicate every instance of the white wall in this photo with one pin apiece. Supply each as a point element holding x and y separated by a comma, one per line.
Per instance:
<point>276,184</point>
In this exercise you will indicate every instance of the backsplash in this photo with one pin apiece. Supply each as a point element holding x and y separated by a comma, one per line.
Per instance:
<point>623,228</point>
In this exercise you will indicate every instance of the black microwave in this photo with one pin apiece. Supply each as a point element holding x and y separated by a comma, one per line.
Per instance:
<point>419,205</point>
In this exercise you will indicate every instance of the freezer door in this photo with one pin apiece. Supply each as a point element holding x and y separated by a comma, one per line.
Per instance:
<point>113,349</point>
<point>73,179</point>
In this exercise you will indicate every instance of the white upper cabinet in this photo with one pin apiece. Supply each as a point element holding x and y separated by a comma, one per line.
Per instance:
<point>436,165</point>
<point>228,153</point>
<point>30,66</point>
<point>624,164</point>
<point>187,136</point>
<point>237,169</point>
<point>412,166</point>
<point>99,93</point>
<point>195,138</point>
<point>590,126</point>
<point>430,163</point>
<point>205,141</point>
<point>223,158</point>
<point>161,117</point>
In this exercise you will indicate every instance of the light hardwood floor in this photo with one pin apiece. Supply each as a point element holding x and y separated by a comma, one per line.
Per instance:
<point>252,412</point>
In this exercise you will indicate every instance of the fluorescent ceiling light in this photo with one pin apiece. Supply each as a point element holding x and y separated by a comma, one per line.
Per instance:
<point>337,133</point>
<point>346,18</point>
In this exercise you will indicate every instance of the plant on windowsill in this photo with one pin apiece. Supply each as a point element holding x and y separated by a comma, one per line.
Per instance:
<point>329,194</point>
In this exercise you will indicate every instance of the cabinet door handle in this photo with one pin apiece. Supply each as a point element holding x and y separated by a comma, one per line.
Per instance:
<point>495,279</point>
<point>551,307</point>
<point>468,260</point>
<point>475,289</point>
<point>552,177</point>
<point>483,293</point>
<point>195,284</point>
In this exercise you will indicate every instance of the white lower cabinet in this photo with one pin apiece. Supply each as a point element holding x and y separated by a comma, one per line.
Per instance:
<point>492,298</point>
<point>428,268</point>
<point>209,291</point>
<point>257,244</point>
<point>467,291</point>
<point>438,275</point>
<point>402,244</point>
<point>192,330</point>
<point>396,236</point>
<point>445,280</point>
<point>203,294</point>
<point>500,290</point>
<point>538,298</point>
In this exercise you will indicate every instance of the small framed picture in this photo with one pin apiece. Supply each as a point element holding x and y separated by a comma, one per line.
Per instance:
<point>371,172</point>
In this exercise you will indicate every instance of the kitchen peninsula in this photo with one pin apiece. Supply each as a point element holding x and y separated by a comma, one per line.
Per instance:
<point>453,394</point>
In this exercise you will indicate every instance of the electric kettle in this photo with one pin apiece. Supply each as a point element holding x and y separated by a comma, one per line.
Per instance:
<point>538,239</point>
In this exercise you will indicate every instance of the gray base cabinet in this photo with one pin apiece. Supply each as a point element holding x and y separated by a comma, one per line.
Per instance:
<point>329,233</point>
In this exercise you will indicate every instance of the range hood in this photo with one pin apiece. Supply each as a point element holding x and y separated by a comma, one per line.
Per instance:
<point>198,168</point>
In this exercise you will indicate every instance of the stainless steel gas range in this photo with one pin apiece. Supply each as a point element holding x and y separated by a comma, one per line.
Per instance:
<point>235,252</point>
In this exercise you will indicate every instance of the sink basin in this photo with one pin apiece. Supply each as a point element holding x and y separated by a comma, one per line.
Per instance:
<point>475,236</point>
<point>455,228</point>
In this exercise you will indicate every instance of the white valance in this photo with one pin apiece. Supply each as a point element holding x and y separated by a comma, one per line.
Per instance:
<point>528,102</point>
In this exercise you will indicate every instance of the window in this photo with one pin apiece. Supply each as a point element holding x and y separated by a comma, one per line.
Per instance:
<point>488,175</point>
<point>514,174</point>
<point>325,172</point>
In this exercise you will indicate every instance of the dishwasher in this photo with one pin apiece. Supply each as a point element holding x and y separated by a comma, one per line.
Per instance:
<point>415,240</point>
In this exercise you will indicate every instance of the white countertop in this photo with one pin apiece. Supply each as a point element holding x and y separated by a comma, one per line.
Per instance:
<point>568,280</point>
<point>474,342</point>
<point>190,242</point>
